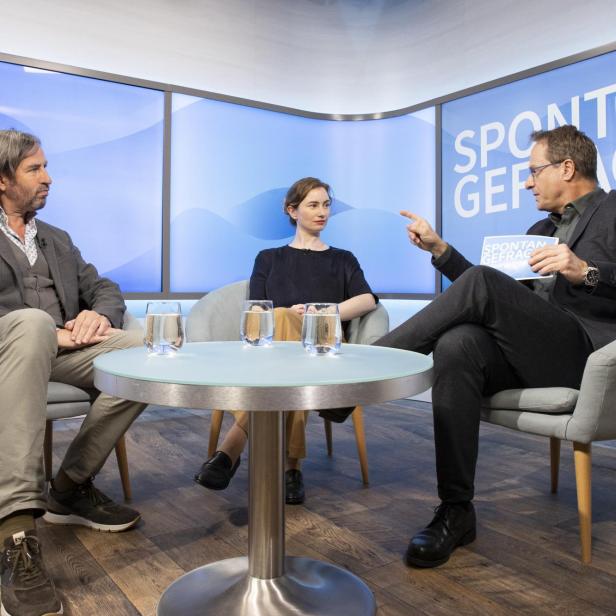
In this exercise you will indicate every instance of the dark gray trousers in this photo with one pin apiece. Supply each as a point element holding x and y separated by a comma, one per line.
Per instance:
<point>488,332</point>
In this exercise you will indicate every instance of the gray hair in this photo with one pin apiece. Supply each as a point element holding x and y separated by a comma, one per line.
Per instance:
<point>14,147</point>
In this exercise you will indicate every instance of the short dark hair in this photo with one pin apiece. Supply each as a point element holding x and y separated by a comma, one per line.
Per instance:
<point>569,142</point>
<point>298,192</point>
<point>14,147</point>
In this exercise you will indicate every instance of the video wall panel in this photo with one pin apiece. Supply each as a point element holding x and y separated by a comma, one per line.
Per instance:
<point>231,166</point>
<point>486,146</point>
<point>104,143</point>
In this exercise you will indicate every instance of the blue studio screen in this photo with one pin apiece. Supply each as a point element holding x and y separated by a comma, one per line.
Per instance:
<point>232,165</point>
<point>104,143</point>
<point>486,146</point>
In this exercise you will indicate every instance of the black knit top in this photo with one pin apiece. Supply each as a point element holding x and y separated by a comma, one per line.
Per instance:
<point>289,276</point>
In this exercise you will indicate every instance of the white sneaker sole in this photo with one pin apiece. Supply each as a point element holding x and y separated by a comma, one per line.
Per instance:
<point>3,612</point>
<point>58,518</point>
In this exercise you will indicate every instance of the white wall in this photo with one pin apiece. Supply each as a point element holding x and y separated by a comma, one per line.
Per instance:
<point>333,56</point>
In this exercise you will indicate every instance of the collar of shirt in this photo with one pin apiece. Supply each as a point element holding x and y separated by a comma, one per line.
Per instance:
<point>578,207</point>
<point>28,247</point>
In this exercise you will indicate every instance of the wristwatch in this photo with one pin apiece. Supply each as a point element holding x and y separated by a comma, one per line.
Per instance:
<point>591,277</point>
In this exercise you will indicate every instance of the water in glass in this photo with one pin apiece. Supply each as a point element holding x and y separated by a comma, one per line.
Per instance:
<point>257,324</point>
<point>321,329</point>
<point>164,332</point>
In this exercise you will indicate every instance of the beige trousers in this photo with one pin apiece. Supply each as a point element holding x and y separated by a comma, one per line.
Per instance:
<point>287,326</point>
<point>29,359</point>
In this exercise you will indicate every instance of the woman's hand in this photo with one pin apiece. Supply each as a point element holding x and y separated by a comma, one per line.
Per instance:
<point>299,308</point>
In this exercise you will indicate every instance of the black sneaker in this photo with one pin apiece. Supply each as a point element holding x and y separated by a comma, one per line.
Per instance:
<point>27,589</point>
<point>87,506</point>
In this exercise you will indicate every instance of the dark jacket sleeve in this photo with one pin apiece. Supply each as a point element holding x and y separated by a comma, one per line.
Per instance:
<point>595,246</point>
<point>451,263</point>
<point>98,293</point>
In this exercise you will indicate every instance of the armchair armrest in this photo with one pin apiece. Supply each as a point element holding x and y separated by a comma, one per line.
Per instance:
<point>370,327</point>
<point>216,316</point>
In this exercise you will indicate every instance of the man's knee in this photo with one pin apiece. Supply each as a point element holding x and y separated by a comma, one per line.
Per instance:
<point>485,277</point>
<point>459,344</point>
<point>479,273</point>
<point>32,329</point>
<point>127,339</point>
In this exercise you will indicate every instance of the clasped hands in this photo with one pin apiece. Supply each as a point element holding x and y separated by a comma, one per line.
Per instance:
<point>87,328</point>
<point>545,260</point>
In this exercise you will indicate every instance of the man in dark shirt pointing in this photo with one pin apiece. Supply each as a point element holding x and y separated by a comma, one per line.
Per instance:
<point>489,332</point>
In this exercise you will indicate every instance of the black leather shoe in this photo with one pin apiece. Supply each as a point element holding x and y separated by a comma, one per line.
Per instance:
<point>294,487</point>
<point>337,415</point>
<point>216,473</point>
<point>452,526</point>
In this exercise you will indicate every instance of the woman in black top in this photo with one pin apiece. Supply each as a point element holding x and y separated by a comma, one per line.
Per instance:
<point>306,270</point>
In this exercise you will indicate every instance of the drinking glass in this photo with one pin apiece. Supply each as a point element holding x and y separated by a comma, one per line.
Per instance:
<point>257,324</point>
<point>164,331</point>
<point>321,329</point>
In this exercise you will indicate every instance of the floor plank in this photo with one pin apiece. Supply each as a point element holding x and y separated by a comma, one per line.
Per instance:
<point>525,560</point>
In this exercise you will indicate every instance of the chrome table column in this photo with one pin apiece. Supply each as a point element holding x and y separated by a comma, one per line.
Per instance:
<point>267,583</point>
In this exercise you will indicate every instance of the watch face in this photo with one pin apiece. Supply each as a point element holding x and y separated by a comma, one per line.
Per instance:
<point>592,277</point>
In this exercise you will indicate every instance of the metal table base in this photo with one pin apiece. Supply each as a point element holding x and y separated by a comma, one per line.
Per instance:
<point>267,583</point>
<point>308,587</point>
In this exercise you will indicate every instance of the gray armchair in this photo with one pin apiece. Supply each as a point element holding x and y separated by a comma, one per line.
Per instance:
<point>559,413</point>
<point>217,317</point>
<point>65,401</point>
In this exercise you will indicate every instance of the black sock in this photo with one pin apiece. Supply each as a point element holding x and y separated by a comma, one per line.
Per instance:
<point>63,483</point>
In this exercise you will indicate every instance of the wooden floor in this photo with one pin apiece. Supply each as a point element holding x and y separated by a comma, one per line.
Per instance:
<point>525,559</point>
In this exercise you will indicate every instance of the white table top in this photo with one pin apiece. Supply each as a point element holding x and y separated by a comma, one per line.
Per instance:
<point>229,375</point>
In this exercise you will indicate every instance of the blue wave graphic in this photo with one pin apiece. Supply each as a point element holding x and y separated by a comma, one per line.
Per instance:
<point>208,252</point>
<point>7,122</point>
<point>139,275</point>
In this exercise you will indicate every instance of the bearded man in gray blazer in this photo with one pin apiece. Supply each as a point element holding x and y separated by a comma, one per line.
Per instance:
<point>56,315</point>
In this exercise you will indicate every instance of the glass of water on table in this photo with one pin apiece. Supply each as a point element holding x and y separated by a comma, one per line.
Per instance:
<point>321,329</point>
<point>257,323</point>
<point>164,331</point>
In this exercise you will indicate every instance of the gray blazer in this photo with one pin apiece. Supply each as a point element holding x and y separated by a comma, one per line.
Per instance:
<point>77,283</point>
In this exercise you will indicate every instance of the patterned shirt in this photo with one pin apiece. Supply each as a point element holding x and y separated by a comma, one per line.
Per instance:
<point>29,246</point>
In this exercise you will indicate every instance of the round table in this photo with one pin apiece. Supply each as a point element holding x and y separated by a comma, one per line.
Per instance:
<point>266,381</point>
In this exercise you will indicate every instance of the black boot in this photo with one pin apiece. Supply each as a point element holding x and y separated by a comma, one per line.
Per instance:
<point>294,487</point>
<point>452,526</point>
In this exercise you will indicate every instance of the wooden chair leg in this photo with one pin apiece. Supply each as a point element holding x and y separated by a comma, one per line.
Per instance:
<point>360,439</point>
<point>47,449</point>
<point>122,458</point>
<point>328,437</point>
<point>583,470</point>
<point>215,427</point>
<point>554,463</point>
